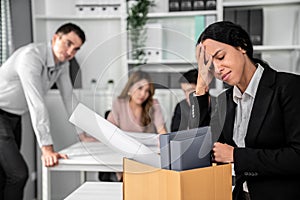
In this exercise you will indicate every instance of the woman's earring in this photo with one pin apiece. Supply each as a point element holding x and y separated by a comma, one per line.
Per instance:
<point>128,94</point>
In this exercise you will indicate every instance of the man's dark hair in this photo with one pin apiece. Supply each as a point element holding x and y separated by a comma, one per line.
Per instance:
<point>69,27</point>
<point>189,77</point>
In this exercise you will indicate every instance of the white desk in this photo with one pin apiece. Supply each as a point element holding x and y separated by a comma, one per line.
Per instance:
<point>98,190</point>
<point>93,156</point>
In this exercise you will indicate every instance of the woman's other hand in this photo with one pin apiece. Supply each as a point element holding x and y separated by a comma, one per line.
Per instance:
<point>223,152</point>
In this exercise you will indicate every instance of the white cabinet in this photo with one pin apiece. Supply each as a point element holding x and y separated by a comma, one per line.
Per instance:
<point>281,31</point>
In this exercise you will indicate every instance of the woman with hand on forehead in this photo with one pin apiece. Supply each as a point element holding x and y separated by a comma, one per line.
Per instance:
<point>255,120</point>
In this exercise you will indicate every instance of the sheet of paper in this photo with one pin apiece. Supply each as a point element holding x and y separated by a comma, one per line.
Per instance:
<point>148,139</point>
<point>112,136</point>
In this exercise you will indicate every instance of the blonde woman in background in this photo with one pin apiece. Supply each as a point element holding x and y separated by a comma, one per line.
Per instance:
<point>135,110</point>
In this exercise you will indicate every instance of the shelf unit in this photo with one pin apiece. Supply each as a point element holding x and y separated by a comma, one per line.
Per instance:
<point>169,61</point>
<point>181,26</point>
<point>105,31</point>
<point>233,3</point>
<point>178,39</point>
<point>104,56</point>
<point>262,48</point>
<point>281,31</point>
<point>182,14</point>
<point>96,57</point>
<point>70,17</point>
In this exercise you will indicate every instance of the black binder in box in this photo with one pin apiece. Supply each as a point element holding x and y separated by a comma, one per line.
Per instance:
<point>191,153</point>
<point>165,147</point>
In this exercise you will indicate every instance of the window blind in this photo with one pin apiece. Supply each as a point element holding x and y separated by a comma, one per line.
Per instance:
<point>6,45</point>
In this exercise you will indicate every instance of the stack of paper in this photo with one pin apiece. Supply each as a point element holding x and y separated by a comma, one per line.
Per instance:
<point>113,137</point>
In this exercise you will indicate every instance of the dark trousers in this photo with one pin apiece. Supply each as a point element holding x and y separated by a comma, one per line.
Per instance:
<point>13,169</point>
<point>246,196</point>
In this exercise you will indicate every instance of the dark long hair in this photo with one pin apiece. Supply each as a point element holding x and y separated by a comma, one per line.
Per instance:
<point>231,34</point>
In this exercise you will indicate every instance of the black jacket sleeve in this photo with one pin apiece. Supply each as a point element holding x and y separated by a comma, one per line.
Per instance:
<point>180,118</point>
<point>176,119</point>
<point>200,111</point>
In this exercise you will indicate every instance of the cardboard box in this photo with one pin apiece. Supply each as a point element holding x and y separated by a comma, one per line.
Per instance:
<point>144,182</point>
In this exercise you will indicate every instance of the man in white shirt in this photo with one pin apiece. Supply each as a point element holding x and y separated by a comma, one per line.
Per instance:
<point>25,78</point>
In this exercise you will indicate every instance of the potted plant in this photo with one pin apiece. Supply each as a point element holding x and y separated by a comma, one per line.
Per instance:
<point>136,21</point>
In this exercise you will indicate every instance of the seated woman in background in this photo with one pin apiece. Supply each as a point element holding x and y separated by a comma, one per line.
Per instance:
<point>135,110</point>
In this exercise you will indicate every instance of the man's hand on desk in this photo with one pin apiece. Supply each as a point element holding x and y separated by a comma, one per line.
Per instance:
<point>87,138</point>
<point>50,157</point>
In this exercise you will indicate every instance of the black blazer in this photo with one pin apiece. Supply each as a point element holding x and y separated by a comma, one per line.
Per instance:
<point>180,117</point>
<point>270,162</point>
